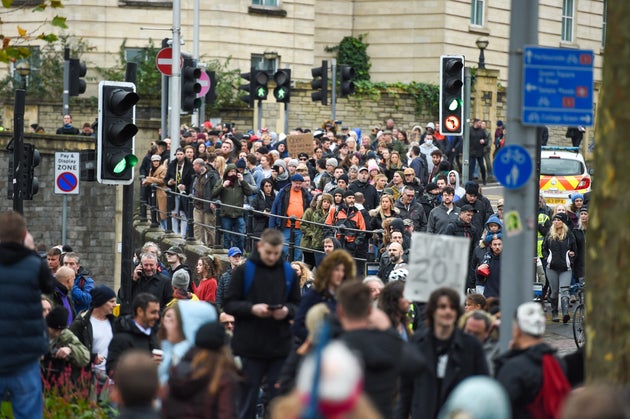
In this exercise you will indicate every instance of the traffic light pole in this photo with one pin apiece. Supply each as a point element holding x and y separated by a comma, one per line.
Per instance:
<point>164,101</point>
<point>517,258</point>
<point>66,81</point>
<point>259,116</point>
<point>18,150</point>
<point>286,118</point>
<point>194,119</point>
<point>333,90</point>
<point>466,127</point>
<point>175,82</point>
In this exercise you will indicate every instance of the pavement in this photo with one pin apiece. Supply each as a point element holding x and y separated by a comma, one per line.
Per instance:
<point>560,335</point>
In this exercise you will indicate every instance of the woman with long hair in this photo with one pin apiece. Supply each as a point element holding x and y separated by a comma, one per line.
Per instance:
<point>558,251</point>
<point>580,242</point>
<point>312,229</point>
<point>156,176</point>
<point>573,212</point>
<point>335,268</point>
<point>208,270</point>
<point>394,165</point>
<point>396,306</point>
<point>219,164</point>
<point>385,210</point>
<point>304,274</point>
<point>262,202</point>
<point>205,382</point>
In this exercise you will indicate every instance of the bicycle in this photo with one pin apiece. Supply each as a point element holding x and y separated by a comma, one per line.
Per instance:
<point>579,331</point>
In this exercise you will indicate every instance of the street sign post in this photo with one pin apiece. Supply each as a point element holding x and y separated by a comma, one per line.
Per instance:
<point>164,60</point>
<point>557,86</point>
<point>67,172</point>
<point>513,166</point>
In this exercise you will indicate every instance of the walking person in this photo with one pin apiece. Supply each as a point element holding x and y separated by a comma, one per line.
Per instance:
<point>558,251</point>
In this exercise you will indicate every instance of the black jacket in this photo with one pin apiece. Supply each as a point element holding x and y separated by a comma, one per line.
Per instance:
<point>158,285</point>
<point>476,135</point>
<point>484,210</point>
<point>520,373</point>
<point>24,276</point>
<point>256,337</point>
<point>385,358</point>
<point>82,328</point>
<point>186,177</point>
<point>261,202</point>
<point>419,395</point>
<point>415,212</point>
<point>556,253</point>
<point>368,191</point>
<point>128,336</point>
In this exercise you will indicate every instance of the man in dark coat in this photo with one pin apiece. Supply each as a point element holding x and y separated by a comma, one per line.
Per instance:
<point>368,190</point>
<point>24,276</point>
<point>137,331</point>
<point>478,140</point>
<point>411,208</point>
<point>451,357</point>
<point>146,278</point>
<point>263,306</point>
<point>479,202</point>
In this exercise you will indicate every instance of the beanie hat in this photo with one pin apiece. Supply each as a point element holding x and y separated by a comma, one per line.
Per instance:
<point>263,150</point>
<point>101,294</point>
<point>397,224</point>
<point>57,318</point>
<point>210,336</point>
<point>348,193</point>
<point>240,164</point>
<point>297,178</point>
<point>562,217</point>
<point>181,279</point>
<point>577,196</point>
<point>344,177</point>
<point>294,162</point>
<point>338,191</point>
<point>332,162</point>
<point>431,186</point>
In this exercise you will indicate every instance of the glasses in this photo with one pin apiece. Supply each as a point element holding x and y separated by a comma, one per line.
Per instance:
<point>303,159</point>
<point>408,174</point>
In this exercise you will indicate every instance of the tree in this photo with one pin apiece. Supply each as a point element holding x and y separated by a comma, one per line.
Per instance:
<point>608,265</point>
<point>14,47</point>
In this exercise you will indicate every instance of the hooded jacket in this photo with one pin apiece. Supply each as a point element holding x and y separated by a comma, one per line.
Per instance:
<point>233,195</point>
<point>24,276</point>
<point>193,315</point>
<point>368,191</point>
<point>255,337</point>
<point>282,179</point>
<point>460,192</point>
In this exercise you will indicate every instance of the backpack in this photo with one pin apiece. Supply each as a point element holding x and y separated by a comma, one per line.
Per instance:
<point>345,226</point>
<point>250,270</point>
<point>554,390</point>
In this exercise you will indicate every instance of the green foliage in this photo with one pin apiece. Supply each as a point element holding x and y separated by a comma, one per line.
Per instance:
<point>228,82</point>
<point>148,78</point>
<point>46,79</point>
<point>353,52</point>
<point>426,95</point>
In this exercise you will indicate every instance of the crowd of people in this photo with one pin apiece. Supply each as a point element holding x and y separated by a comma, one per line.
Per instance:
<point>303,331</point>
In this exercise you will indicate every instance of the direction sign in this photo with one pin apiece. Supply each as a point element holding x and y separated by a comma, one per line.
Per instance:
<point>164,61</point>
<point>67,173</point>
<point>204,81</point>
<point>513,166</point>
<point>557,86</point>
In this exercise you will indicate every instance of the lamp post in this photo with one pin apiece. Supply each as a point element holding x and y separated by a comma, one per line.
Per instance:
<point>482,44</point>
<point>24,70</point>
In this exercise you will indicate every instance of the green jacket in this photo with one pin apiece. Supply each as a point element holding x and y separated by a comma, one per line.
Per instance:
<point>79,354</point>
<point>313,235</point>
<point>232,195</point>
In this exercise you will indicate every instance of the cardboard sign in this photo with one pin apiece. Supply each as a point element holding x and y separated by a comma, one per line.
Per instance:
<point>436,261</point>
<point>300,143</point>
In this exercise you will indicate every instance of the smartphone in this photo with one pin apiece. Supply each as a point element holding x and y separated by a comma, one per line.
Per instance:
<point>275,306</point>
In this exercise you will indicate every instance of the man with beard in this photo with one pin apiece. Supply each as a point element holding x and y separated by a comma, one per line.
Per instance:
<point>363,185</point>
<point>347,219</point>
<point>442,215</point>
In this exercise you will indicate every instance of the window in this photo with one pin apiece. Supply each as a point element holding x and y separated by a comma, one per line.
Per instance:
<point>259,62</point>
<point>271,3</point>
<point>604,13</point>
<point>568,13</point>
<point>476,12</point>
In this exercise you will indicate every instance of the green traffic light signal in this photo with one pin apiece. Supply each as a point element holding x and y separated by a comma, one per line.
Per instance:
<point>128,161</point>
<point>261,93</point>
<point>282,92</point>
<point>453,105</point>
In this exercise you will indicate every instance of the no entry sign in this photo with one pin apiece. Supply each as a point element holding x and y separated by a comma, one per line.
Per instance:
<point>164,61</point>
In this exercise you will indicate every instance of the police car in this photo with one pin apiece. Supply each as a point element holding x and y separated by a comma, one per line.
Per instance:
<point>563,172</point>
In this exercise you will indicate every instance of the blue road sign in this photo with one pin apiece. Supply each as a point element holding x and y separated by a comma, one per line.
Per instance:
<point>67,182</point>
<point>557,86</point>
<point>513,166</point>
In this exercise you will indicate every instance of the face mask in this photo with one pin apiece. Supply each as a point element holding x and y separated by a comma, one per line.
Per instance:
<point>429,142</point>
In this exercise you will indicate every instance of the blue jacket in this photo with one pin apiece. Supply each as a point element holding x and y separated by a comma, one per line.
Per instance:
<point>281,203</point>
<point>24,276</point>
<point>81,296</point>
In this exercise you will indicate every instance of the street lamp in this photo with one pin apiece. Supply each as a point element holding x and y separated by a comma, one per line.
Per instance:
<point>482,44</point>
<point>24,70</point>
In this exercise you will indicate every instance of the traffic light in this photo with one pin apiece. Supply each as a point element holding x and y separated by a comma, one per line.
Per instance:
<point>115,140</point>
<point>31,159</point>
<point>347,76</point>
<point>211,96</point>
<point>451,94</point>
<point>257,88</point>
<point>282,92</point>
<point>190,86</point>
<point>320,83</point>
<point>77,70</point>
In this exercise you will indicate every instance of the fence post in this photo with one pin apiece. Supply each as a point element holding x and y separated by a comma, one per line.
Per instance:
<point>145,192</point>
<point>292,220</point>
<point>190,227</point>
<point>154,208</point>
<point>217,222</point>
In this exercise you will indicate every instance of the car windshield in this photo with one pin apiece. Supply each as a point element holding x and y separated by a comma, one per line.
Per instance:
<point>561,167</point>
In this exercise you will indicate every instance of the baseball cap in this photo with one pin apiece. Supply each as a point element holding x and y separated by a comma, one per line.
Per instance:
<point>362,168</point>
<point>175,250</point>
<point>233,251</point>
<point>500,203</point>
<point>530,318</point>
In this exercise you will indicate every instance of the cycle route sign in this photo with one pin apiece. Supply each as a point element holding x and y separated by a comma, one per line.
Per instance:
<point>557,86</point>
<point>513,166</point>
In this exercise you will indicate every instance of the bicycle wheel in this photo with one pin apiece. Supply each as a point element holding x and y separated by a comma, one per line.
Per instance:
<point>579,333</point>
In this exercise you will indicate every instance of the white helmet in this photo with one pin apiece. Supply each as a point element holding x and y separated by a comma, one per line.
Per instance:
<point>399,274</point>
